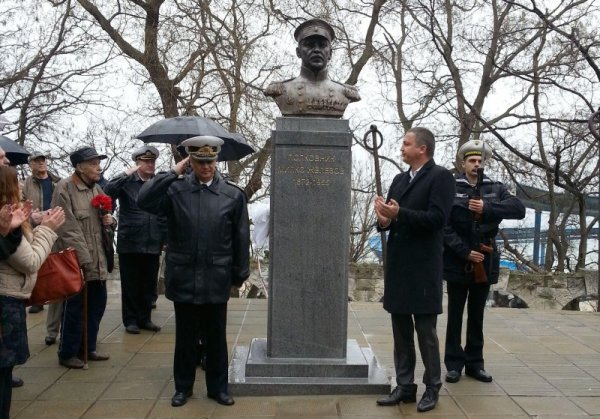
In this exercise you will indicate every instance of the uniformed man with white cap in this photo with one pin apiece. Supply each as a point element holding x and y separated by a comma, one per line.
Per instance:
<point>312,93</point>
<point>140,240</point>
<point>474,220</point>
<point>208,244</point>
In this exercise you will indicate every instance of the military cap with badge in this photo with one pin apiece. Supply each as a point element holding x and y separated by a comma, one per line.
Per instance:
<point>146,152</point>
<point>203,147</point>
<point>314,27</point>
<point>474,148</point>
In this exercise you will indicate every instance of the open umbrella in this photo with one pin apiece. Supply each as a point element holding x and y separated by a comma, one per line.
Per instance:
<point>14,152</point>
<point>175,130</point>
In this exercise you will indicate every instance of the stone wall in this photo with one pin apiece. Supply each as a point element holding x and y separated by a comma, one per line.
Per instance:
<point>552,291</point>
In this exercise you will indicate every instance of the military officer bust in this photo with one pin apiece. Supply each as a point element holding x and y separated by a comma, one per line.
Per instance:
<point>312,93</point>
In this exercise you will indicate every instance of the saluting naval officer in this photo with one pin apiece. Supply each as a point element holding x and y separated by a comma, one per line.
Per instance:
<point>462,250</point>
<point>141,237</point>
<point>208,241</point>
<point>312,93</point>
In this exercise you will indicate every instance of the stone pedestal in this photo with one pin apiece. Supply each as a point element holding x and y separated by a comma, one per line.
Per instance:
<point>307,350</point>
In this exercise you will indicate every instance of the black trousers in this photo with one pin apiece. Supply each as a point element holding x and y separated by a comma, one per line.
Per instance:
<point>404,327</point>
<point>5,391</point>
<point>475,295</point>
<point>190,321</point>
<point>139,274</point>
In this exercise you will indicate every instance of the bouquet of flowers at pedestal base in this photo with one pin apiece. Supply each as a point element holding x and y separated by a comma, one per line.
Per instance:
<point>103,203</point>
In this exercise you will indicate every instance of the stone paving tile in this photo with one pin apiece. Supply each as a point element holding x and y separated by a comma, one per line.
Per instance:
<point>319,406</point>
<point>482,405</point>
<point>131,390</point>
<point>446,407</point>
<point>54,409</point>
<point>247,407</point>
<point>583,386</point>
<point>133,409</point>
<point>536,406</point>
<point>194,408</point>
<point>76,390</point>
<point>365,406</point>
<point>591,405</point>
<point>474,388</point>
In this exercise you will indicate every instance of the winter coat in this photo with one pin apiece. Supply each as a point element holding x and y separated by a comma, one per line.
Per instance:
<point>18,273</point>
<point>82,229</point>
<point>32,190</point>
<point>208,235</point>
<point>461,235</point>
<point>139,231</point>
<point>413,274</point>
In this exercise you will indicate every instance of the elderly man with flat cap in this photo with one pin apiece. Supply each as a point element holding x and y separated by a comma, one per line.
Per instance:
<point>140,240</point>
<point>208,241</point>
<point>312,93</point>
<point>82,230</point>
<point>473,222</point>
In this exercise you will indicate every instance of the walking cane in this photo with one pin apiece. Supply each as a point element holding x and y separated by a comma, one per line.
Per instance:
<point>85,326</point>
<point>376,145</point>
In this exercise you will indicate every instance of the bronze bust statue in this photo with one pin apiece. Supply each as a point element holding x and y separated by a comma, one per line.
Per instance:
<point>312,93</point>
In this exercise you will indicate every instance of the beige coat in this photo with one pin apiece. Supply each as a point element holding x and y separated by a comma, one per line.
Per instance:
<point>18,273</point>
<point>82,229</point>
<point>33,191</point>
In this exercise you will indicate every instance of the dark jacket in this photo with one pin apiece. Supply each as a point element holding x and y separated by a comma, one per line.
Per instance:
<point>413,277</point>
<point>139,231</point>
<point>460,235</point>
<point>208,238</point>
<point>9,243</point>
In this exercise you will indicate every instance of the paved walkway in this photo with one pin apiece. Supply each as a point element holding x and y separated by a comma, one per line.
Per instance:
<point>545,365</point>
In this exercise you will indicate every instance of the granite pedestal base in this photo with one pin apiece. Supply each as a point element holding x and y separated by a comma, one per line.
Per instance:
<point>252,373</point>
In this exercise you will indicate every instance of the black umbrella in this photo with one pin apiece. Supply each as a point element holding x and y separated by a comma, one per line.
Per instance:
<point>14,152</point>
<point>175,130</point>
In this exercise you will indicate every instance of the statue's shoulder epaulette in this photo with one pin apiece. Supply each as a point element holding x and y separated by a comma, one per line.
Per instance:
<point>351,92</point>
<point>276,88</point>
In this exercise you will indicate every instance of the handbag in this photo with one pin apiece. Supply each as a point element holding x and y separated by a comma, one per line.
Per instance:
<point>59,278</point>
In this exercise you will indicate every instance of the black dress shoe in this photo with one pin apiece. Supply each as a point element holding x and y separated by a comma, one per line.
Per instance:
<point>399,395</point>
<point>479,374</point>
<point>17,382</point>
<point>150,326</point>
<point>50,340</point>
<point>180,398</point>
<point>222,398</point>
<point>453,376</point>
<point>429,400</point>
<point>133,329</point>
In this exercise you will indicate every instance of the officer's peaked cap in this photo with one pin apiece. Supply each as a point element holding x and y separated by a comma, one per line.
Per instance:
<point>146,152</point>
<point>314,27</point>
<point>203,147</point>
<point>475,148</point>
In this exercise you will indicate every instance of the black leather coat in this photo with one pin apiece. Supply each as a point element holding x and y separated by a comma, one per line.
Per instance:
<point>208,239</point>
<point>139,231</point>
<point>460,237</point>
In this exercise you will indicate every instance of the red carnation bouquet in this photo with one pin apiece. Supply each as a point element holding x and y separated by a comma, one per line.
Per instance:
<point>104,204</point>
